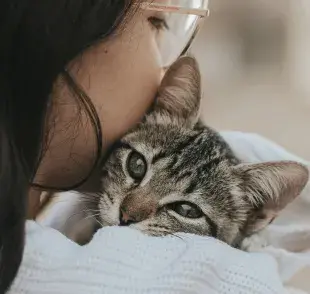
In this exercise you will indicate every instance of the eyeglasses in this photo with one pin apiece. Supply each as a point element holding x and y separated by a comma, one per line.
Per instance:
<point>181,21</point>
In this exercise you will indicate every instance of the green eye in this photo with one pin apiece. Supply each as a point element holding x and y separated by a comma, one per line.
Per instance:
<point>136,166</point>
<point>186,209</point>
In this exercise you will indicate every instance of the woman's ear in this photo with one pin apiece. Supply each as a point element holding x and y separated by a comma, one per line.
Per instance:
<point>179,94</point>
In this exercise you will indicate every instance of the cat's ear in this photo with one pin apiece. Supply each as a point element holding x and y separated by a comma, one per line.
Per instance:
<point>270,187</point>
<point>179,94</point>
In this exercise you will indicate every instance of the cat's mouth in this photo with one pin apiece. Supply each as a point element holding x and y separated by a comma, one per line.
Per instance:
<point>125,219</point>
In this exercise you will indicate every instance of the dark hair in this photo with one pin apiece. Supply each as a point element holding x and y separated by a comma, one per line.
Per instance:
<point>38,40</point>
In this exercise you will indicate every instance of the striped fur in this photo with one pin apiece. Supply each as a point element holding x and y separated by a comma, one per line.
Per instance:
<point>190,162</point>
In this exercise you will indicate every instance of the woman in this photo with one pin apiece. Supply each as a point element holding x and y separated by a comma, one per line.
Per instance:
<point>74,76</point>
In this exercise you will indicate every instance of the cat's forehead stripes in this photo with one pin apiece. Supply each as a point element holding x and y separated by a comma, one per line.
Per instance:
<point>202,149</point>
<point>192,162</point>
<point>186,161</point>
<point>177,146</point>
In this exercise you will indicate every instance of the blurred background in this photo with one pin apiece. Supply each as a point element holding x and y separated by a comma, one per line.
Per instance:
<point>255,62</point>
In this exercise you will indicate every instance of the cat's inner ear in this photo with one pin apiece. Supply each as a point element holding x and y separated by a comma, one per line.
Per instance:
<point>269,188</point>
<point>179,94</point>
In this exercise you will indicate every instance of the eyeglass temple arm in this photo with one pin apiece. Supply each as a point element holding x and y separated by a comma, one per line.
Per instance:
<point>176,9</point>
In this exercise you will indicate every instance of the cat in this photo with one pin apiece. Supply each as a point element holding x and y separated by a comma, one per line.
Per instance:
<point>172,174</point>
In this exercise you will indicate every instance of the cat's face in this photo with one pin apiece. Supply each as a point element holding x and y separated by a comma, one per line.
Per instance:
<point>168,175</point>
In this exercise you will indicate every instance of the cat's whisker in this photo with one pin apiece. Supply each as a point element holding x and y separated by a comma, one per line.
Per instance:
<point>92,195</point>
<point>176,236</point>
<point>158,230</point>
<point>81,212</point>
<point>172,154</point>
<point>91,216</point>
<point>94,217</point>
<point>96,214</point>
<point>72,216</point>
<point>91,210</point>
<point>101,224</point>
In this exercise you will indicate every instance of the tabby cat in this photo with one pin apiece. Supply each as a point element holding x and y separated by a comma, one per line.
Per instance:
<point>173,174</point>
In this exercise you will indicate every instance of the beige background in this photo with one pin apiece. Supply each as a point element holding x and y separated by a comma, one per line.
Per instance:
<point>255,61</point>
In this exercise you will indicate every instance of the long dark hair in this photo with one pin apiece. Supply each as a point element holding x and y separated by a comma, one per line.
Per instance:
<point>38,39</point>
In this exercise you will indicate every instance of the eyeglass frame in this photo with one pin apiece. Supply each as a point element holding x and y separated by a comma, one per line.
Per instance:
<point>200,12</point>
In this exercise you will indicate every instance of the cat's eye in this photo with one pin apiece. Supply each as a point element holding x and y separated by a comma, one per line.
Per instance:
<point>136,166</point>
<point>186,209</point>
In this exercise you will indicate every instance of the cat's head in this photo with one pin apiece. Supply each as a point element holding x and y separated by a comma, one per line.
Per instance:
<point>170,175</point>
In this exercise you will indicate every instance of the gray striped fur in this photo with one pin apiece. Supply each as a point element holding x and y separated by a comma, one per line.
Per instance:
<point>188,161</point>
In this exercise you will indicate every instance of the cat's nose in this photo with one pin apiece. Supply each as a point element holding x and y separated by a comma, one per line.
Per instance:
<point>136,209</point>
<point>125,219</point>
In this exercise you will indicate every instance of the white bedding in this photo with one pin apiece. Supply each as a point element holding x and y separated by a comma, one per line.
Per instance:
<point>121,260</point>
<point>288,238</point>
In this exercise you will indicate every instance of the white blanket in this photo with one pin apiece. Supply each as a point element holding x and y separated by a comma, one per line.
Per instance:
<point>288,238</point>
<point>121,260</point>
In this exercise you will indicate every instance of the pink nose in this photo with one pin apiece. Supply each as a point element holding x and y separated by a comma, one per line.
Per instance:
<point>134,209</point>
<point>126,219</point>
